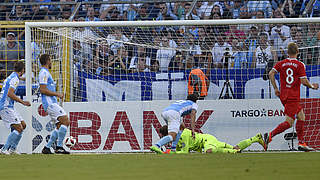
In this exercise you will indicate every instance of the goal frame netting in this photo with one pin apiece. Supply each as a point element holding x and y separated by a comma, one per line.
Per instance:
<point>28,48</point>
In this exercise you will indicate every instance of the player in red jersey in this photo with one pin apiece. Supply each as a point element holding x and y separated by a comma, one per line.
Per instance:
<point>292,75</point>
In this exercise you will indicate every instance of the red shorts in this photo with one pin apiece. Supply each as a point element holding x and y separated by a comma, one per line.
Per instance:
<point>291,107</point>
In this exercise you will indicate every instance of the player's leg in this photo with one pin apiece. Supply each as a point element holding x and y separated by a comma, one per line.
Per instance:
<point>302,146</point>
<point>212,145</point>
<point>247,142</point>
<point>13,147</point>
<point>13,122</point>
<point>173,120</point>
<point>64,122</point>
<point>290,109</point>
<point>57,112</point>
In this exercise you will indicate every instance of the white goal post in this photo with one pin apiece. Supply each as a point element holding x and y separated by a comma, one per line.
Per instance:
<point>104,127</point>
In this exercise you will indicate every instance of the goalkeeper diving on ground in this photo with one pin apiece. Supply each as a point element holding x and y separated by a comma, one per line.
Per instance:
<point>205,143</point>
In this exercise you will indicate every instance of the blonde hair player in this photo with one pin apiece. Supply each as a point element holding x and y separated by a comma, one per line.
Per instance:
<point>292,75</point>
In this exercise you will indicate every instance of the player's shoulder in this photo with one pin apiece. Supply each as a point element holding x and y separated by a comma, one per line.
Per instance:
<point>43,71</point>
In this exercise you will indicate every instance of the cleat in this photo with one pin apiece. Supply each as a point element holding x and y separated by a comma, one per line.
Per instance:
<point>46,150</point>
<point>156,149</point>
<point>304,147</point>
<point>60,150</point>
<point>260,140</point>
<point>14,152</point>
<point>5,152</point>
<point>267,139</point>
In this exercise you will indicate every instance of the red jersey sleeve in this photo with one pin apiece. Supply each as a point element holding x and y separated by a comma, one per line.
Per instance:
<point>301,71</point>
<point>277,67</point>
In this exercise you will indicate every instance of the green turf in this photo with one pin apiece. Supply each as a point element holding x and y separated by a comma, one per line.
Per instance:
<point>151,166</point>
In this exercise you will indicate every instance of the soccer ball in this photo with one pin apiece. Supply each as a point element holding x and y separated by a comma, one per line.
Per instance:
<point>70,141</point>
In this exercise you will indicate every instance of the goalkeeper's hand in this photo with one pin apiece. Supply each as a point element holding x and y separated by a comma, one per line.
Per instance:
<point>168,151</point>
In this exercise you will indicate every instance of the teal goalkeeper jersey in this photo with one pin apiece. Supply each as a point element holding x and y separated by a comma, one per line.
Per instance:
<point>187,143</point>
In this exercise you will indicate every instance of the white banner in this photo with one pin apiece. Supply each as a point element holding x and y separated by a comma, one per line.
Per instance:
<point>130,126</point>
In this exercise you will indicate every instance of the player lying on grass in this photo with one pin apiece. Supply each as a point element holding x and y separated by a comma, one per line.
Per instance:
<point>173,117</point>
<point>207,143</point>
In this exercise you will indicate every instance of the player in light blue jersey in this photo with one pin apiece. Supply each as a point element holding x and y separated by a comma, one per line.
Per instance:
<point>10,117</point>
<point>50,105</point>
<point>173,117</point>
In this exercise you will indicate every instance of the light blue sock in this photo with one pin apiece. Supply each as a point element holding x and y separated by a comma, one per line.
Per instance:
<point>53,138</point>
<point>61,134</point>
<point>11,138</point>
<point>164,140</point>
<point>175,142</point>
<point>15,143</point>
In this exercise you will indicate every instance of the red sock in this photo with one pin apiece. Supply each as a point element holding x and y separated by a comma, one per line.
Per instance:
<point>280,128</point>
<point>300,130</point>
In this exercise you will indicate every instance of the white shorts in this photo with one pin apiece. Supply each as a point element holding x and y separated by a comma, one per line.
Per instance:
<point>173,119</point>
<point>55,111</point>
<point>9,116</point>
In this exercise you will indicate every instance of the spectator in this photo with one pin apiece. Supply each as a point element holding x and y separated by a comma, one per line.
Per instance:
<point>239,56</point>
<point>143,14</point>
<point>3,13</point>
<point>177,63</point>
<point>264,53</point>
<point>262,27</point>
<point>279,34</point>
<point>234,33</point>
<point>179,10</point>
<point>251,44</point>
<point>287,8</point>
<point>131,13</point>
<point>19,14</point>
<point>140,51</point>
<point>91,15</point>
<point>141,64</point>
<point>312,42</point>
<point>234,8</point>
<point>205,10</point>
<point>9,54</point>
<point>255,6</point>
<point>118,63</point>
<point>155,66</point>
<point>164,14</point>
<point>116,39</point>
<point>164,54</point>
<point>36,13</point>
<point>192,14</point>
<point>219,51</point>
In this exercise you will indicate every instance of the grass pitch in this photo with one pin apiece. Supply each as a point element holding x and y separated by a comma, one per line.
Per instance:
<point>165,167</point>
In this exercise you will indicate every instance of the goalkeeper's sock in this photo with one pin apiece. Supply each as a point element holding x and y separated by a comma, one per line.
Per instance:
<point>247,142</point>
<point>164,140</point>
<point>280,128</point>
<point>53,138</point>
<point>175,142</point>
<point>15,143</point>
<point>61,134</point>
<point>300,130</point>
<point>11,139</point>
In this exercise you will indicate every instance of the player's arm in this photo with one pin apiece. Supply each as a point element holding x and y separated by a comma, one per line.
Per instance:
<point>13,96</point>
<point>307,83</point>
<point>193,121</point>
<point>272,78</point>
<point>44,90</point>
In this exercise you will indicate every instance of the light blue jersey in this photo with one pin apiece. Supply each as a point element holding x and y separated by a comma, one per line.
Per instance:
<point>184,107</point>
<point>45,78</point>
<point>11,81</point>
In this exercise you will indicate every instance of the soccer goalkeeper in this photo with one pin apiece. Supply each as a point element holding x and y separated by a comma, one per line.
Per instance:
<point>208,143</point>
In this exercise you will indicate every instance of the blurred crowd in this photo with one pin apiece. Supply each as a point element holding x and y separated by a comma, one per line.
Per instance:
<point>126,50</point>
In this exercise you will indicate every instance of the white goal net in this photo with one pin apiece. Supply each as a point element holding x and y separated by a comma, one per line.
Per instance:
<point>114,73</point>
